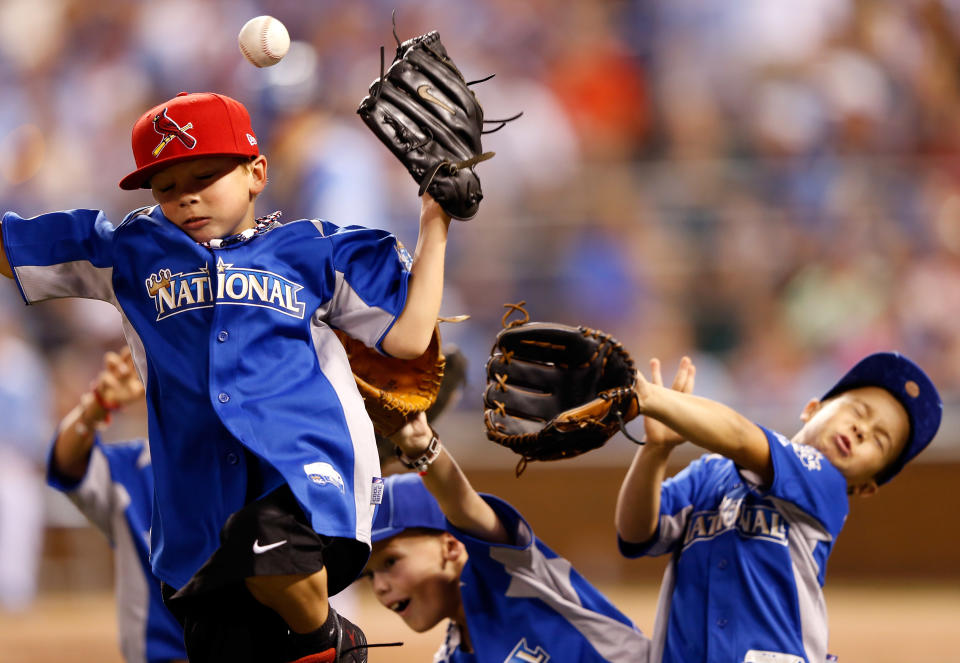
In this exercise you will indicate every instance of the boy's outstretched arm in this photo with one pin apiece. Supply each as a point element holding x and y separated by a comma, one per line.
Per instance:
<point>117,385</point>
<point>4,263</point>
<point>638,503</point>
<point>460,503</point>
<point>708,424</point>
<point>411,333</point>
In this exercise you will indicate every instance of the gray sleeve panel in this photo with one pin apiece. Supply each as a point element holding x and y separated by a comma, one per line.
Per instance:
<point>671,531</point>
<point>78,278</point>
<point>347,311</point>
<point>133,594</point>
<point>751,477</point>
<point>535,576</point>
<point>805,533</point>
<point>96,496</point>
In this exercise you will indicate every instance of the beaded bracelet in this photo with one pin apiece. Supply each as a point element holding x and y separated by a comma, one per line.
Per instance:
<point>103,403</point>
<point>106,406</point>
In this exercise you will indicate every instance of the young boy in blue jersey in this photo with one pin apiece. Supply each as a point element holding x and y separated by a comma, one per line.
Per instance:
<point>750,526</point>
<point>443,551</point>
<point>263,454</point>
<point>112,485</point>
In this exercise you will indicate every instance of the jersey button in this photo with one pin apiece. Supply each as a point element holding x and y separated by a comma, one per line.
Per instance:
<point>223,335</point>
<point>721,622</point>
<point>223,397</point>
<point>233,458</point>
<point>722,564</point>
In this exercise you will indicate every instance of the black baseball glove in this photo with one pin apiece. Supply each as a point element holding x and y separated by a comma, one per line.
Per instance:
<point>555,391</point>
<point>424,111</point>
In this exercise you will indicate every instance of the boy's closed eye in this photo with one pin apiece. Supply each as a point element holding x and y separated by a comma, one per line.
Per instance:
<point>204,175</point>
<point>883,440</point>
<point>880,437</point>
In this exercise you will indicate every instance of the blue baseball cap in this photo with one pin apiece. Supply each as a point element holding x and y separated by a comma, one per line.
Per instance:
<point>911,387</point>
<point>406,503</point>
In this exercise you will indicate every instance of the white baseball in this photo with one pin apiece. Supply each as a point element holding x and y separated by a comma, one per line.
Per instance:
<point>264,41</point>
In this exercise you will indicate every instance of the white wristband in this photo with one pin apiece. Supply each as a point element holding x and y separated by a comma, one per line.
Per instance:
<point>421,463</point>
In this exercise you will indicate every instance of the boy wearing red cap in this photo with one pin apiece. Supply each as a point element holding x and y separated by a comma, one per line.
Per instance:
<point>265,462</point>
<point>751,525</point>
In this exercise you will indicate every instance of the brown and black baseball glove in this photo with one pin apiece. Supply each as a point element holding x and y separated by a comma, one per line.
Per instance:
<point>556,391</point>
<point>423,110</point>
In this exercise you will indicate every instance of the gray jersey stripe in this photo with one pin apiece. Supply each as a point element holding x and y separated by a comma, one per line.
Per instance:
<point>332,356</point>
<point>105,503</point>
<point>137,352</point>
<point>133,595</point>
<point>662,618</point>
<point>535,576</point>
<point>95,497</point>
<point>805,533</point>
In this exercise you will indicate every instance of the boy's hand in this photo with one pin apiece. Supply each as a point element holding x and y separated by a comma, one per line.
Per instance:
<point>118,383</point>
<point>414,437</point>
<point>430,209</point>
<point>658,433</point>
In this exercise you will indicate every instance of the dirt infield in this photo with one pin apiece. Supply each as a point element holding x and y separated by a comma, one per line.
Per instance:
<point>887,624</point>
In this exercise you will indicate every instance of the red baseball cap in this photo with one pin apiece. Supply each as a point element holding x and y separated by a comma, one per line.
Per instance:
<point>189,126</point>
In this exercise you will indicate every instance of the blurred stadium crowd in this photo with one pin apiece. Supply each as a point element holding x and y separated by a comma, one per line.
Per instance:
<point>772,187</point>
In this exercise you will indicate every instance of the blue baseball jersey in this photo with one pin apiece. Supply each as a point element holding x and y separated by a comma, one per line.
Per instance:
<point>247,385</point>
<point>525,604</point>
<point>745,583</point>
<point>115,494</point>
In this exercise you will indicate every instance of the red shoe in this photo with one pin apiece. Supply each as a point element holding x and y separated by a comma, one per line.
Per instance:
<point>351,642</point>
<point>351,645</point>
<point>326,656</point>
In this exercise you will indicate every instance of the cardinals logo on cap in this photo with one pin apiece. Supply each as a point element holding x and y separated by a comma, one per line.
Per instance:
<point>169,129</point>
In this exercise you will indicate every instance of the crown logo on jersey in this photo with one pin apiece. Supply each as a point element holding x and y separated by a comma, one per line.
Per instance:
<point>157,282</point>
<point>524,653</point>
<point>169,129</point>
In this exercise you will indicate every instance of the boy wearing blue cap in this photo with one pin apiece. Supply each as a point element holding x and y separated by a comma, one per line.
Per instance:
<point>443,551</point>
<point>750,526</point>
<point>112,485</point>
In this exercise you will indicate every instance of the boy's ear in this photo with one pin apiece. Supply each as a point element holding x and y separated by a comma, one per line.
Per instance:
<point>258,169</point>
<point>809,410</point>
<point>453,549</point>
<point>868,488</point>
